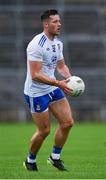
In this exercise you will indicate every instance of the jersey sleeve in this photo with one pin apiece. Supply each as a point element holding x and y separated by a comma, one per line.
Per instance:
<point>34,52</point>
<point>60,46</point>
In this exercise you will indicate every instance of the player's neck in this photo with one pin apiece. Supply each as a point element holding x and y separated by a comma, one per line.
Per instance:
<point>49,36</point>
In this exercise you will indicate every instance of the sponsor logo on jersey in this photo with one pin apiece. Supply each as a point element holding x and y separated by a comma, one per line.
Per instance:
<point>54,59</point>
<point>52,64</point>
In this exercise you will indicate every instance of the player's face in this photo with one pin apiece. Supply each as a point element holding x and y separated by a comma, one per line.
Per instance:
<point>54,25</point>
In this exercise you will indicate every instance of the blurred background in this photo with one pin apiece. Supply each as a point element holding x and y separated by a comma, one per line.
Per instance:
<point>84,37</point>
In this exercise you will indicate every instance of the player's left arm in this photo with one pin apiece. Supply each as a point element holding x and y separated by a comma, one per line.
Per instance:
<point>62,69</point>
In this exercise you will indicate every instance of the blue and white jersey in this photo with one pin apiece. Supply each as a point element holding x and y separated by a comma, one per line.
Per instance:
<point>48,52</point>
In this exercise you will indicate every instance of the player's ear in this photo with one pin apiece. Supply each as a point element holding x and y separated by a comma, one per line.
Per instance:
<point>45,24</point>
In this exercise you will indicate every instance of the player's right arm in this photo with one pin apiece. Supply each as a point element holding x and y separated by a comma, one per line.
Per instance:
<point>39,76</point>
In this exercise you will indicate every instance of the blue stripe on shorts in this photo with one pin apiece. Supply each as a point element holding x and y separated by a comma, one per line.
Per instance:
<point>41,103</point>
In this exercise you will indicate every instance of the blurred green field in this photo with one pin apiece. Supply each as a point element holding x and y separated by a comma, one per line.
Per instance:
<point>84,153</point>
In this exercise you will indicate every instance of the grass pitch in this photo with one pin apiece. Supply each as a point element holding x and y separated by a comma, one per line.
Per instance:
<point>84,153</point>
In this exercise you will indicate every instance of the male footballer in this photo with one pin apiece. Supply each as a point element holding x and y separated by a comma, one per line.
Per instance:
<point>44,93</point>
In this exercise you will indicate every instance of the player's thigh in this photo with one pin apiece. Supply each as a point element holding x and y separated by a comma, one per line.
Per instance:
<point>62,111</point>
<point>41,120</point>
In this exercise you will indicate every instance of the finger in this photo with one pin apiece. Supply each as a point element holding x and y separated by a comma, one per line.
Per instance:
<point>68,79</point>
<point>69,89</point>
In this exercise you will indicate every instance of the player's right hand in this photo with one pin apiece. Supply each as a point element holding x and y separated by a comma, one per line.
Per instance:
<point>63,85</point>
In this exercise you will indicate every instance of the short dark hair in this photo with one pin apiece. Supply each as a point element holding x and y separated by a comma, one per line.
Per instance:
<point>46,14</point>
